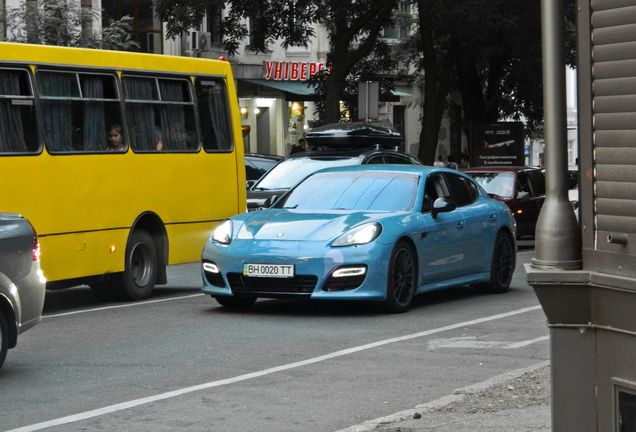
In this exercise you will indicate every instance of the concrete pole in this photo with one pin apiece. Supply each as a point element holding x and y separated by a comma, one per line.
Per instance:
<point>558,238</point>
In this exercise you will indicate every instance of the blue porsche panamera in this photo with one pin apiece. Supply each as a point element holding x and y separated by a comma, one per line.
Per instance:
<point>381,233</point>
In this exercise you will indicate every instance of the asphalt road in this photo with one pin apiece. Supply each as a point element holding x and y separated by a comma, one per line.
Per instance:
<point>179,361</point>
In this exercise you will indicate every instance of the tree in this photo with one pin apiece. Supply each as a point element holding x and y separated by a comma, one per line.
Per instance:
<point>486,51</point>
<point>354,28</point>
<point>62,23</point>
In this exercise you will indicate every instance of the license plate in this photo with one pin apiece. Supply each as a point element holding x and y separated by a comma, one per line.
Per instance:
<point>268,270</point>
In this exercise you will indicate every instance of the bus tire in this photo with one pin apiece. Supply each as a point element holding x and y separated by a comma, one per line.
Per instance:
<point>140,268</point>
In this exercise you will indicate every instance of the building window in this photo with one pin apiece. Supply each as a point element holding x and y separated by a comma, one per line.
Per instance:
<point>214,20</point>
<point>146,26</point>
<point>400,29</point>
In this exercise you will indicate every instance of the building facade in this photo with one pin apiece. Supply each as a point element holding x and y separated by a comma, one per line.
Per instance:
<point>278,107</point>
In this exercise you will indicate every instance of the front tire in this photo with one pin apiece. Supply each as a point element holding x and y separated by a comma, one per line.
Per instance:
<point>140,269</point>
<point>4,338</point>
<point>502,265</point>
<point>401,280</point>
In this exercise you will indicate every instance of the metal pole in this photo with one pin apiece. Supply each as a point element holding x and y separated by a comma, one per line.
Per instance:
<point>367,101</point>
<point>557,239</point>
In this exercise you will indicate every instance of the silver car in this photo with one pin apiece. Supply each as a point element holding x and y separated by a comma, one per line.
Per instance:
<point>22,284</point>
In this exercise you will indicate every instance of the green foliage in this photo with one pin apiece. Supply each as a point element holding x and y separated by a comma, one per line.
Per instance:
<point>272,20</point>
<point>61,23</point>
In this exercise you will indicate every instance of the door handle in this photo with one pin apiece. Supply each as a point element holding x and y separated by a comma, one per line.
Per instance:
<point>460,225</point>
<point>492,218</point>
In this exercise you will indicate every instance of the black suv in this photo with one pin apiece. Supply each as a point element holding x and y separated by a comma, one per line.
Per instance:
<point>341,144</point>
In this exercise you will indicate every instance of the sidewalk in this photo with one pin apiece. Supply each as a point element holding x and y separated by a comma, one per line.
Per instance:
<point>517,401</point>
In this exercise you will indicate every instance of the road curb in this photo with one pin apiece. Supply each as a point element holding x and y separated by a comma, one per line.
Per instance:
<point>456,396</point>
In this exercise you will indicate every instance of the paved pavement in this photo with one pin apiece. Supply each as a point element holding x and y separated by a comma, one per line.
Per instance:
<point>516,401</point>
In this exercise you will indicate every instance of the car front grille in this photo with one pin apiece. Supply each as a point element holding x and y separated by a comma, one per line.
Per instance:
<point>297,285</point>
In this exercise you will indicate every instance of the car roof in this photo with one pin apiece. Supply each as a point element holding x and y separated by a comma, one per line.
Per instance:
<point>264,156</point>
<point>351,153</point>
<point>502,169</point>
<point>423,170</point>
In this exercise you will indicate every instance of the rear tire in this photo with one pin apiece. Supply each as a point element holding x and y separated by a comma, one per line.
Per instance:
<point>235,302</point>
<point>502,265</point>
<point>4,338</point>
<point>140,268</point>
<point>401,280</point>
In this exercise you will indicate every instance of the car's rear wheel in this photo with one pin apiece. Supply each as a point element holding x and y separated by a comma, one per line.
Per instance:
<point>140,268</point>
<point>4,338</point>
<point>235,302</point>
<point>502,265</point>
<point>402,277</point>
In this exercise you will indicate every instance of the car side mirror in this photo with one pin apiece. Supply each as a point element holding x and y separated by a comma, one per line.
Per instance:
<point>250,183</point>
<point>441,205</point>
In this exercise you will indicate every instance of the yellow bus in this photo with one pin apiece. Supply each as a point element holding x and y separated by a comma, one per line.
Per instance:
<point>108,217</point>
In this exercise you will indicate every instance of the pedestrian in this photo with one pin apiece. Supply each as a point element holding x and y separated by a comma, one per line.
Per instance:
<point>439,162</point>
<point>451,163</point>
<point>299,147</point>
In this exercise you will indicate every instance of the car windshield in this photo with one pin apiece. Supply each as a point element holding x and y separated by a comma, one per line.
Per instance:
<point>290,171</point>
<point>495,183</point>
<point>375,191</point>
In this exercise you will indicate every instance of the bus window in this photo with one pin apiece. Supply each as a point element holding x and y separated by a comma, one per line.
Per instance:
<point>216,127</point>
<point>77,109</point>
<point>18,130</point>
<point>160,114</point>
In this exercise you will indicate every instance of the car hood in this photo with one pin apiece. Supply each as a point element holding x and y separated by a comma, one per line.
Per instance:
<point>280,224</point>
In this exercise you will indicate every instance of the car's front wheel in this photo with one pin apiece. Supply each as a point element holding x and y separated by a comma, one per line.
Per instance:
<point>502,265</point>
<point>4,338</point>
<point>402,278</point>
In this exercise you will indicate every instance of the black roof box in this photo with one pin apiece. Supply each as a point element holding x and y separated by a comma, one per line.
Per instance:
<point>350,135</point>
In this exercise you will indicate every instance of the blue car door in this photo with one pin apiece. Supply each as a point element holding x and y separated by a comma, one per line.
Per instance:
<point>442,251</point>
<point>480,224</point>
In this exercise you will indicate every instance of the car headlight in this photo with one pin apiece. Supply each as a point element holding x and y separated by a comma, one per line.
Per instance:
<point>358,236</point>
<point>223,233</point>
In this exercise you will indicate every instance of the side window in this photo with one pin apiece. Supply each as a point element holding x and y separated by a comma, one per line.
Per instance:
<point>78,109</point>
<point>435,188</point>
<point>160,114</point>
<point>464,190</point>
<point>523,186</point>
<point>395,159</point>
<point>18,128</point>
<point>214,113</point>
<point>374,160</point>
<point>538,180</point>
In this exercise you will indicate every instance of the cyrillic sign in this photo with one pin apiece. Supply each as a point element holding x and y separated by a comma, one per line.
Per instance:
<point>291,71</point>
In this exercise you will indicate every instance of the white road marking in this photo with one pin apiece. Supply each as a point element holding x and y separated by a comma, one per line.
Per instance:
<point>168,395</point>
<point>141,303</point>
<point>473,342</point>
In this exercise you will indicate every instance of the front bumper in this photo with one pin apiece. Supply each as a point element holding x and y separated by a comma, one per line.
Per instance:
<point>314,267</point>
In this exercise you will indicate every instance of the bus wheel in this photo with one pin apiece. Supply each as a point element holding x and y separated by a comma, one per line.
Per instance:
<point>140,268</point>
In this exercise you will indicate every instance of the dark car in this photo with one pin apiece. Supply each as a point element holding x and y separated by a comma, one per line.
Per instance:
<point>257,164</point>
<point>335,145</point>
<point>522,188</point>
<point>22,285</point>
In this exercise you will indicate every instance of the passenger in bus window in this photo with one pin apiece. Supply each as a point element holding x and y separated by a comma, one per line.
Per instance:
<point>115,138</point>
<point>159,136</point>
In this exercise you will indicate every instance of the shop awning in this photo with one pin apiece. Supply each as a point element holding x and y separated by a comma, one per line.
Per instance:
<point>294,90</point>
